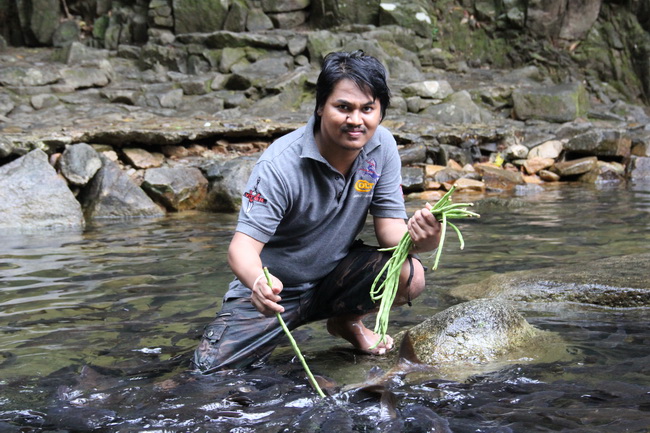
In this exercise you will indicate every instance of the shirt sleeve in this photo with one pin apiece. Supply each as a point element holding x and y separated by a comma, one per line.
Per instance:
<point>388,199</point>
<point>263,203</point>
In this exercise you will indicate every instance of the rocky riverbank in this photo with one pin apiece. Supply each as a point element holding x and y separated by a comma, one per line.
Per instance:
<point>138,131</point>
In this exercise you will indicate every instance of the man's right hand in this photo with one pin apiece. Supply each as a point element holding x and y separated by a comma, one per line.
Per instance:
<point>266,298</point>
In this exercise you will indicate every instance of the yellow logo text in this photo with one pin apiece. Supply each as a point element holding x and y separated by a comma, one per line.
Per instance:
<point>363,186</point>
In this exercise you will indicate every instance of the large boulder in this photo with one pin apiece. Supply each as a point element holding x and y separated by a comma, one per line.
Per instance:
<point>33,196</point>
<point>559,103</point>
<point>112,194</point>
<point>39,20</point>
<point>478,334</point>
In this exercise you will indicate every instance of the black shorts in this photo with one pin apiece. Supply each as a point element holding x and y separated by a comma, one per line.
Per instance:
<point>241,336</point>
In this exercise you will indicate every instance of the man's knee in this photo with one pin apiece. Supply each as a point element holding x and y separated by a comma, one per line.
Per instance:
<point>412,282</point>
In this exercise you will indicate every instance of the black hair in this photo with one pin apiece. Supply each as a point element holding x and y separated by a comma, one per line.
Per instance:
<point>365,71</point>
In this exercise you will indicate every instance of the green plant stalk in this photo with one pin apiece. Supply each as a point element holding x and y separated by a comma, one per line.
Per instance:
<point>443,210</point>
<point>294,344</point>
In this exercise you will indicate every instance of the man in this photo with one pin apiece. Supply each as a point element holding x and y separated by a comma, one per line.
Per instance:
<point>306,202</point>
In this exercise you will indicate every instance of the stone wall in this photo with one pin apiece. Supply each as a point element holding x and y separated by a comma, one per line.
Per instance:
<point>610,40</point>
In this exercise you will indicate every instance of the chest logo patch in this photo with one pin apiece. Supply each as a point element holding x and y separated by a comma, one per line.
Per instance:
<point>363,185</point>
<point>368,176</point>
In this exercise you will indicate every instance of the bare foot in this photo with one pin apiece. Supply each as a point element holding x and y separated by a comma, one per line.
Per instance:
<point>361,337</point>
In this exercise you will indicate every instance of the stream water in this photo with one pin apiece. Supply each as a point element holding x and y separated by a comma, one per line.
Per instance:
<point>97,328</point>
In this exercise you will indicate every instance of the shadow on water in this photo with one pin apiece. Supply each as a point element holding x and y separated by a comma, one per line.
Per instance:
<point>97,330</point>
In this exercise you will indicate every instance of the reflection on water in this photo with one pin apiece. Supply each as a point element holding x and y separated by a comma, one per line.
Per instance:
<point>97,327</point>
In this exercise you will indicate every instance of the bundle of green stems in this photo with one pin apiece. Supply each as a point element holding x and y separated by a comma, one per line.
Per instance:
<point>385,291</point>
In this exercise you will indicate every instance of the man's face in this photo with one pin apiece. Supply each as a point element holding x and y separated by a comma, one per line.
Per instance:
<point>349,117</point>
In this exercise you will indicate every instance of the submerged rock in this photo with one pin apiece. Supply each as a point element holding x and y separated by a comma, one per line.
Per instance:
<point>619,282</point>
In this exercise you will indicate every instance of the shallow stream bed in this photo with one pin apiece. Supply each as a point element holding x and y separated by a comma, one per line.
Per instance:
<point>97,328</point>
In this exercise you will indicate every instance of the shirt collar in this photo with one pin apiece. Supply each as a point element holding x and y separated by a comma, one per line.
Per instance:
<point>310,148</point>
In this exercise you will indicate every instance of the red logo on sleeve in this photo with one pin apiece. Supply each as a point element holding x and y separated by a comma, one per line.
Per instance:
<point>254,196</point>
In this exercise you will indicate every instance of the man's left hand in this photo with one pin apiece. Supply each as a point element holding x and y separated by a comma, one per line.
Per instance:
<point>424,229</point>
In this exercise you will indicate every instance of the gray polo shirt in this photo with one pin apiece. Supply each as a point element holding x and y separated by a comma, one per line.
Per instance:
<point>306,213</point>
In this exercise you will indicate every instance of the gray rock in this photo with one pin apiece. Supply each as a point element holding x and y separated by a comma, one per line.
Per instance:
<point>297,45</point>
<point>432,89</point>
<point>33,196</point>
<point>195,85</point>
<point>320,43</point>
<point>477,332</point>
<point>640,145</point>
<point>417,15</point>
<point>609,282</point>
<point>560,103</point>
<point>263,71</point>
<point>78,53</point>
<point>600,142</point>
<point>121,96</point>
<point>289,20</point>
<point>458,108</point>
<point>84,77</point>
<point>516,151</point>
<point>199,16</point>
<point>639,168</point>
<point>26,76</point>
<point>257,20</point>
<point>284,5</point>
<point>412,179</point>
<point>228,181</point>
<point>237,17</point>
<point>224,38</point>
<point>333,13</point>
<point>79,163</point>
<point>141,158</point>
<point>604,173</point>
<point>447,174</point>
<point>177,188</point>
<point>575,166</point>
<point>548,149</point>
<point>498,179</point>
<point>6,147</point>
<point>40,20</point>
<point>448,152</point>
<point>164,99</point>
<point>414,153</point>
<point>166,56</point>
<point>6,104</point>
<point>66,33</point>
<point>43,101</point>
<point>112,194</point>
